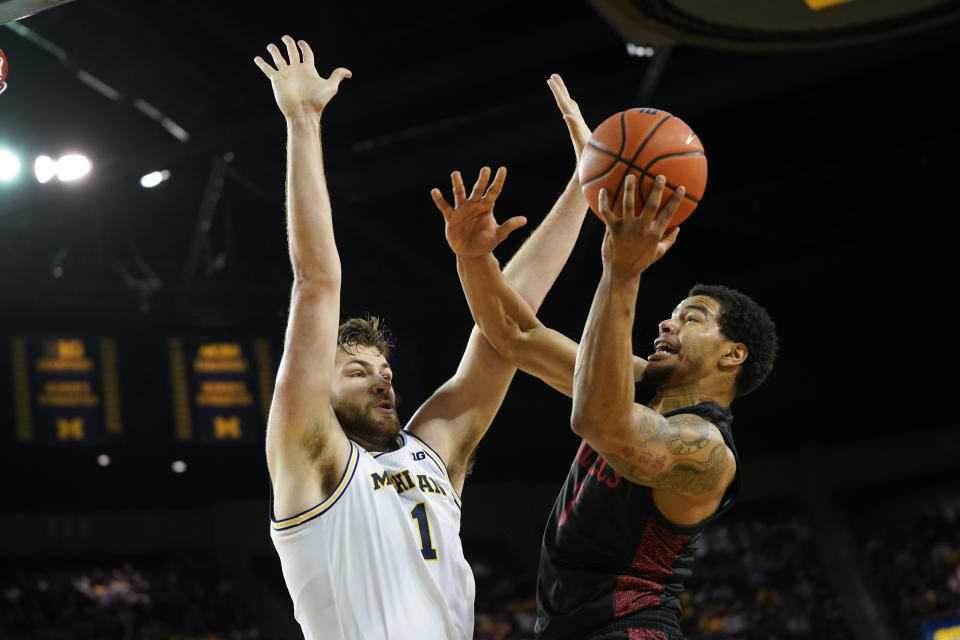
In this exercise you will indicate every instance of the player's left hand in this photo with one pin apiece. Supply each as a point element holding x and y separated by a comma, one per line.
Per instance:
<point>634,242</point>
<point>471,229</point>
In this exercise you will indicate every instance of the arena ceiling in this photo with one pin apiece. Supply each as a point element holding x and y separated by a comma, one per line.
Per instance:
<point>828,199</point>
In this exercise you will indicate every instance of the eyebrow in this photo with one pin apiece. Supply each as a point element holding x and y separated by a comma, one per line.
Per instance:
<point>696,307</point>
<point>364,363</point>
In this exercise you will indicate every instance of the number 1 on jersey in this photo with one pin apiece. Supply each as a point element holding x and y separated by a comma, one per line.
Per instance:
<point>419,513</point>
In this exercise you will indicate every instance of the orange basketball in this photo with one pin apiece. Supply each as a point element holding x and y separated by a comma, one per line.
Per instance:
<point>644,142</point>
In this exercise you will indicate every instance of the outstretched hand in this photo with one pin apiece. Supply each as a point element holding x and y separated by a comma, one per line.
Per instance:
<point>634,242</point>
<point>471,229</point>
<point>297,87</point>
<point>579,131</point>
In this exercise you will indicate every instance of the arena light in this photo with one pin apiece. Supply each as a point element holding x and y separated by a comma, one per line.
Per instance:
<point>178,466</point>
<point>103,460</point>
<point>9,165</point>
<point>72,167</point>
<point>154,178</point>
<point>44,168</point>
<point>638,51</point>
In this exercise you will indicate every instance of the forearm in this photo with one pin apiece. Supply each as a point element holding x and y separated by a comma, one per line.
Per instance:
<point>497,308</point>
<point>313,251</point>
<point>535,266</point>
<point>603,378</point>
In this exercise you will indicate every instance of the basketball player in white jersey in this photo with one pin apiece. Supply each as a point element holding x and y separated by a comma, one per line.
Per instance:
<point>366,515</point>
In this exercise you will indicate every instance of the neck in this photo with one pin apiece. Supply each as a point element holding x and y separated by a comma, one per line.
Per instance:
<point>666,400</point>
<point>387,443</point>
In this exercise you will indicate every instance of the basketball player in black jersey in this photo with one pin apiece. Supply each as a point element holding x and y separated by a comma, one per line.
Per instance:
<point>647,479</point>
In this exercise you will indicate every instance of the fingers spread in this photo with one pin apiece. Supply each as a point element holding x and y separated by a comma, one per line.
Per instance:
<point>307,52</point>
<point>481,184</point>
<point>666,213</point>
<point>509,227</point>
<point>668,239</point>
<point>629,197</point>
<point>652,205</point>
<point>603,200</point>
<point>496,186</point>
<point>459,192</point>
<point>266,68</point>
<point>292,52</point>
<point>339,74</point>
<point>278,60</point>
<point>441,202</point>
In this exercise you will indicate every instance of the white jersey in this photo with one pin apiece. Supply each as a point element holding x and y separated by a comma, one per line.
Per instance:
<point>381,556</point>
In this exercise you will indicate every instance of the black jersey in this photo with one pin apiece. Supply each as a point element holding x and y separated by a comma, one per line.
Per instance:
<point>608,552</point>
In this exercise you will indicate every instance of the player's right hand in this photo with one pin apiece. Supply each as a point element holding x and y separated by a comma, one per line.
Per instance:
<point>297,87</point>
<point>636,241</point>
<point>471,229</point>
<point>579,131</point>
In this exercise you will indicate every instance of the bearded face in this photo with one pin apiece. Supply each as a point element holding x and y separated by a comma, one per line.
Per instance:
<point>363,398</point>
<point>366,423</point>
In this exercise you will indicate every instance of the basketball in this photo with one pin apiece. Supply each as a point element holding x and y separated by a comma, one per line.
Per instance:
<point>3,67</point>
<point>645,142</point>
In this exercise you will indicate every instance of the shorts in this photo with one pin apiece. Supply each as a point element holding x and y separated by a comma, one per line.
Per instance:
<point>654,624</point>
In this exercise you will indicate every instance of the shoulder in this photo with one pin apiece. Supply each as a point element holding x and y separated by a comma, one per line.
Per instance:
<point>688,433</point>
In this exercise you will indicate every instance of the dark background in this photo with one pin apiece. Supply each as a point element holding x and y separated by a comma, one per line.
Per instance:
<point>829,200</point>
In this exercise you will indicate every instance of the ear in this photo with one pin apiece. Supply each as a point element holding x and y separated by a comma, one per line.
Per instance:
<point>735,355</point>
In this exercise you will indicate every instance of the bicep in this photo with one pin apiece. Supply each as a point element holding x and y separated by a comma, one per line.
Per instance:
<point>458,414</point>
<point>684,454</point>
<point>301,422</point>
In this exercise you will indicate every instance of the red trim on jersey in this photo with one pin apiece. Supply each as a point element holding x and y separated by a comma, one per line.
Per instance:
<point>657,552</point>
<point>646,634</point>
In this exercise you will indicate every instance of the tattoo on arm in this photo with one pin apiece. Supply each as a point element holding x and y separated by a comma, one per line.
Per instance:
<point>700,456</point>
<point>687,434</point>
<point>694,477</point>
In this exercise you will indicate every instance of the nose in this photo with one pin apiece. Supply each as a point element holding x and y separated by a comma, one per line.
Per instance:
<point>667,326</point>
<point>381,384</point>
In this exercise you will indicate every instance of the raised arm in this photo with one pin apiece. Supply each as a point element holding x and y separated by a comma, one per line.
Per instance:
<point>682,455</point>
<point>455,417</point>
<point>505,315</point>
<point>306,448</point>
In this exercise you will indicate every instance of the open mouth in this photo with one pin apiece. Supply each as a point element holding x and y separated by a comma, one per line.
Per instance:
<point>662,349</point>
<point>384,406</point>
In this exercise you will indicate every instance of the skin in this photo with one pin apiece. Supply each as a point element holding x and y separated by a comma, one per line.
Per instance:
<point>682,458</point>
<point>325,397</point>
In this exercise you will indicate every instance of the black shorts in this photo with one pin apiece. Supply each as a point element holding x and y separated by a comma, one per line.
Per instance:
<point>655,624</point>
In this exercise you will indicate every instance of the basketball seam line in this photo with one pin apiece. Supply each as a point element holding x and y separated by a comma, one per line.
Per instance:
<point>636,153</point>
<point>643,172</point>
<point>616,158</point>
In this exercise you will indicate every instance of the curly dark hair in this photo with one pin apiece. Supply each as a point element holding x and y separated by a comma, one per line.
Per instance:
<point>743,320</point>
<point>368,331</point>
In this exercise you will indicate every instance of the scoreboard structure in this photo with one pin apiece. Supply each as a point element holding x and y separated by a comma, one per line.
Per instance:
<point>221,388</point>
<point>65,391</point>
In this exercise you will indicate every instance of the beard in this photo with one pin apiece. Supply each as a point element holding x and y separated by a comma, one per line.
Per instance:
<point>657,374</point>
<point>364,428</point>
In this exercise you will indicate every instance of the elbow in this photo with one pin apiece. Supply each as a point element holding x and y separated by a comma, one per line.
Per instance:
<point>508,341</point>
<point>307,280</point>
<point>582,423</point>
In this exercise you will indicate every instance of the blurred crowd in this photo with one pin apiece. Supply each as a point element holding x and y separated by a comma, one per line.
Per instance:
<point>178,598</point>
<point>755,578</point>
<point>914,557</point>
<point>758,576</point>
